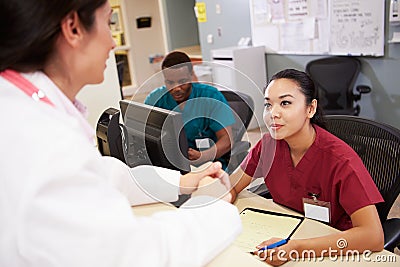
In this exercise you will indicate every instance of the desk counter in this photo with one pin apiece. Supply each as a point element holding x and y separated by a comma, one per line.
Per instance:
<point>233,256</point>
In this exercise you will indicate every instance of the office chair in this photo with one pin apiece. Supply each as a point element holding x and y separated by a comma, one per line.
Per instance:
<point>242,106</point>
<point>378,145</point>
<point>334,77</point>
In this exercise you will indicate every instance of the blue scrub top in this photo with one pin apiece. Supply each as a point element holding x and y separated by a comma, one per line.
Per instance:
<point>205,112</point>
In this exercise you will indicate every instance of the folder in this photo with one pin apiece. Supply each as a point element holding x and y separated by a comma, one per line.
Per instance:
<point>260,225</point>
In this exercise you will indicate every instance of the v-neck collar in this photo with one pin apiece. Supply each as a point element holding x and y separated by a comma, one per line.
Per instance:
<point>308,158</point>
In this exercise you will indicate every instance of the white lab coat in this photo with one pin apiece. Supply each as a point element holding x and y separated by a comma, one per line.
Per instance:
<point>63,204</point>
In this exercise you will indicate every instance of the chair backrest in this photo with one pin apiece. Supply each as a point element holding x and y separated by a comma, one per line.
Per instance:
<point>334,78</point>
<point>378,145</point>
<point>242,106</point>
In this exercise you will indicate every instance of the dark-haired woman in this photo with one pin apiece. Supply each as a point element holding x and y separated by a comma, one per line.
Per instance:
<point>61,202</point>
<point>303,164</point>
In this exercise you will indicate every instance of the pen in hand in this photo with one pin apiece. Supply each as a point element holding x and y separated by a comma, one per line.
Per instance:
<point>273,245</point>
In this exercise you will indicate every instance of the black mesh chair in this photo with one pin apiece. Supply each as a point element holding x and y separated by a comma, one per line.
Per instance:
<point>378,145</point>
<point>334,78</point>
<point>242,106</point>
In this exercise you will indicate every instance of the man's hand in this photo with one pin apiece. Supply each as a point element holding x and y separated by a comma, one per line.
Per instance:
<point>194,154</point>
<point>195,157</point>
<point>199,157</point>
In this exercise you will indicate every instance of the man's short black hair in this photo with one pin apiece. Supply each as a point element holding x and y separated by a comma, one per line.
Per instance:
<point>178,59</point>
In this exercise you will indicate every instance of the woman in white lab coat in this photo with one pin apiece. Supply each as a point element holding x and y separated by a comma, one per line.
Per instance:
<point>61,203</point>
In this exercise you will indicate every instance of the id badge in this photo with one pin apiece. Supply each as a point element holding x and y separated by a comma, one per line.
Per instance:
<point>317,209</point>
<point>202,143</point>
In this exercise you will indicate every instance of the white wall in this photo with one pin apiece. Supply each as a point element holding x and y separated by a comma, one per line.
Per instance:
<point>99,97</point>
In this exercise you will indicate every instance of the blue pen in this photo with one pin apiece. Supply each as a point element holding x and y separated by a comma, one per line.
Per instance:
<point>274,245</point>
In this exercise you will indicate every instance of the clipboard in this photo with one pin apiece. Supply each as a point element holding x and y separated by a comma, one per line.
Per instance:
<point>260,225</point>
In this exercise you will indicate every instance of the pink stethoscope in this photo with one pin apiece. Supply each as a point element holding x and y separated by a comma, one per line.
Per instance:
<point>26,86</point>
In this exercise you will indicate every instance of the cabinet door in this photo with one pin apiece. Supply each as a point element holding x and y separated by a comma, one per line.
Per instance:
<point>223,73</point>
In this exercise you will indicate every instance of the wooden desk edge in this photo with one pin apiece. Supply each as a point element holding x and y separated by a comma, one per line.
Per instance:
<point>232,257</point>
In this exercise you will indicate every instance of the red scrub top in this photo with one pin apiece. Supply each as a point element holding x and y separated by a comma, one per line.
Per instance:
<point>330,168</point>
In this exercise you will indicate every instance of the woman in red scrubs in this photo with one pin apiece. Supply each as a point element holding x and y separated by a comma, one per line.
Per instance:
<point>301,161</point>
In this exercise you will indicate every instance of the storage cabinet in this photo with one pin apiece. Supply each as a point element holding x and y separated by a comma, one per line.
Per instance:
<point>242,69</point>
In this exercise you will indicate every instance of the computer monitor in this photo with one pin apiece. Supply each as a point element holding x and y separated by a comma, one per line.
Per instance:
<point>154,136</point>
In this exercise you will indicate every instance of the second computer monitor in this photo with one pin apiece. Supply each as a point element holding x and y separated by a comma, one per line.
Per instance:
<point>154,136</point>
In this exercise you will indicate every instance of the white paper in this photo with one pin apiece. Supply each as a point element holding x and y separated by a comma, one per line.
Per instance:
<point>309,30</point>
<point>277,11</point>
<point>292,38</point>
<point>297,9</point>
<point>365,36</point>
<point>318,8</point>
<point>261,12</point>
<point>258,227</point>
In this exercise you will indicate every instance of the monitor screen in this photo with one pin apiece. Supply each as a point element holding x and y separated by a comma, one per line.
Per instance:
<point>154,136</point>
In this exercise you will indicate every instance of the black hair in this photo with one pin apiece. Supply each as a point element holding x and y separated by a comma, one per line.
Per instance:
<point>29,29</point>
<point>177,59</point>
<point>307,87</point>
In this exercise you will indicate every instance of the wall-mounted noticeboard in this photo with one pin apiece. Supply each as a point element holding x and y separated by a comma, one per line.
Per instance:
<point>319,27</point>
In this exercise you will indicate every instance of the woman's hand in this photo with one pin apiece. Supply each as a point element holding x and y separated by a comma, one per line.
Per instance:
<point>275,256</point>
<point>215,188</point>
<point>190,182</point>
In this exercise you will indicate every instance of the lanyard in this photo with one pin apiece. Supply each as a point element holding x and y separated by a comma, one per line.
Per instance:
<point>26,86</point>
